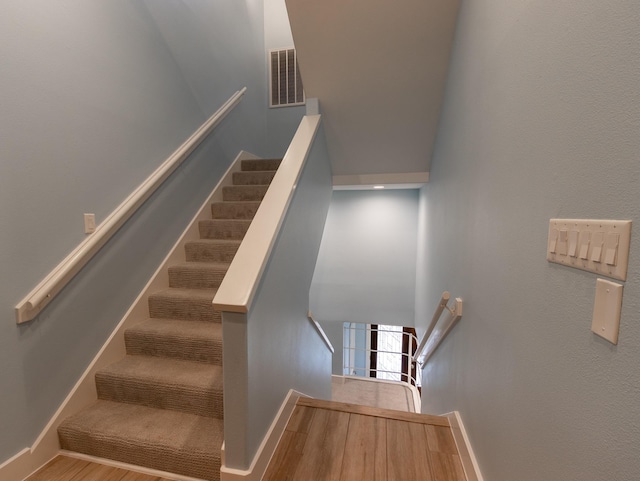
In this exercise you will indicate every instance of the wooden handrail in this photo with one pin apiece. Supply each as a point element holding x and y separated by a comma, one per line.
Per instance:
<point>241,281</point>
<point>53,283</point>
<point>432,338</point>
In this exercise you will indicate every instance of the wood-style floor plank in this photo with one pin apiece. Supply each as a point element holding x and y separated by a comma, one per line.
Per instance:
<point>371,411</point>
<point>285,460</point>
<point>407,452</point>
<point>59,468</point>
<point>64,468</point>
<point>98,472</point>
<point>365,454</point>
<point>441,440</point>
<point>446,467</point>
<point>301,419</point>
<point>324,448</point>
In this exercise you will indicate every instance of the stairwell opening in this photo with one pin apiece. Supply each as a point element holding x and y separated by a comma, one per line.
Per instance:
<point>380,351</point>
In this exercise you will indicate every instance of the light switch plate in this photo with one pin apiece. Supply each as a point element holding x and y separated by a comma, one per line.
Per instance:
<point>602,245</point>
<point>606,310</point>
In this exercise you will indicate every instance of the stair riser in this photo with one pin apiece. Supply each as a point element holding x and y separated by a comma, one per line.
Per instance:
<point>234,210</point>
<point>183,399</point>
<point>200,350</point>
<point>260,164</point>
<point>196,278</point>
<point>196,252</point>
<point>154,457</point>
<point>223,229</point>
<point>191,310</point>
<point>253,178</point>
<point>252,193</point>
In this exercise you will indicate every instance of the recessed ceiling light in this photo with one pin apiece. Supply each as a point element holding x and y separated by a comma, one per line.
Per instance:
<point>378,186</point>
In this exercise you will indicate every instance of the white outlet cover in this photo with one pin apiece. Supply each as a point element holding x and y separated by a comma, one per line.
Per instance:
<point>606,310</point>
<point>602,245</point>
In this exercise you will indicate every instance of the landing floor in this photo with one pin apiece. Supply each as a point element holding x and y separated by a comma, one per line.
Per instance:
<point>329,441</point>
<point>373,392</point>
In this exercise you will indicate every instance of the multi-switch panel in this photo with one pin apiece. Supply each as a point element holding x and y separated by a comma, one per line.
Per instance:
<point>600,246</point>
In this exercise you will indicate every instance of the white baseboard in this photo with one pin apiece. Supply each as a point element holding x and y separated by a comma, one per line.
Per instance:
<point>267,447</point>
<point>84,392</point>
<point>469,462</point>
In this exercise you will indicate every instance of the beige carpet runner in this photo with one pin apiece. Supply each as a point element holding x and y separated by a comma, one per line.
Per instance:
<point>161,406</point>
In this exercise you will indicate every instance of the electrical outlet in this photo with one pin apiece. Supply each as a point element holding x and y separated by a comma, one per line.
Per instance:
<point>89,223</point>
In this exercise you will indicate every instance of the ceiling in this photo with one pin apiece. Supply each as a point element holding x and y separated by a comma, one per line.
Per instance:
<point>378,68</point>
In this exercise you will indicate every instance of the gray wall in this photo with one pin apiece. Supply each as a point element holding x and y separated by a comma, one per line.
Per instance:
<point>335,334</point>
<point>274,347</point>
<point>366,267</point>
<point>540,120</point>
<point>94,98</point>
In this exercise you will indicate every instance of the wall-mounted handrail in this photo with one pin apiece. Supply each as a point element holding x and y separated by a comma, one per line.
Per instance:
<point>241,281</point>
<point>432,336</point>
<point>51,285</point>
<point>321,332</point>
<point>444,299</point>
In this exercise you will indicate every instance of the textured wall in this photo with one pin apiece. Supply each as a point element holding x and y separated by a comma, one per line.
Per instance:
<point>366,266</point>
<point>540,120</point>
<point>93,99</point>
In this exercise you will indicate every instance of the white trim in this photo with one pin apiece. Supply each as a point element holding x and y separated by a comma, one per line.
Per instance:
<point>267,447</point>
<point>129,467</point>
<point>84,392</point>
<point>467,457</point>
<point>54,282</point>
<point>408,180</point>
<point>240,283</point>
<point>321,332</point>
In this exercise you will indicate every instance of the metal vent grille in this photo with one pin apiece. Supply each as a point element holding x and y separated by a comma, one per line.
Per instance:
<point>286,83</point>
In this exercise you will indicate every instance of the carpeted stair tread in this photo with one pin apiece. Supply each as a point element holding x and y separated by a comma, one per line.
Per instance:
<point>212,250</point>
<point>173,338</point>
<point>233,229</point>
<point>258,177</point>
<point>186,304</point>
<point>244,192</point>
<point>174,384</point>
<point>251,165</point>
<point>197,275</point>
<point>155,438</point>
<point>234,210</point>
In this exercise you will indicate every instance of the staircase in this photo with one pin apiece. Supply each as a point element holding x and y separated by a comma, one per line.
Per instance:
<point>161,406</point>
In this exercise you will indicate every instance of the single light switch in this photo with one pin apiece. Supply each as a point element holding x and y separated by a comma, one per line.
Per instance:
<point>596,251</point>
<point>585,237</point>
<point>573,243</point>
<point>553,242</point>
<point>562,242</point>
<point>606,310</point>
<point>611,249</point>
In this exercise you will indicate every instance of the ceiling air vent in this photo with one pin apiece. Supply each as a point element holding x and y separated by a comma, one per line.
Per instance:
<point>286,83</point>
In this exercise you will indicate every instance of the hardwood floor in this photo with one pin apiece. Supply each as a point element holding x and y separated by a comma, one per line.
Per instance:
<point>63,468</point>
<point>329,441</point>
